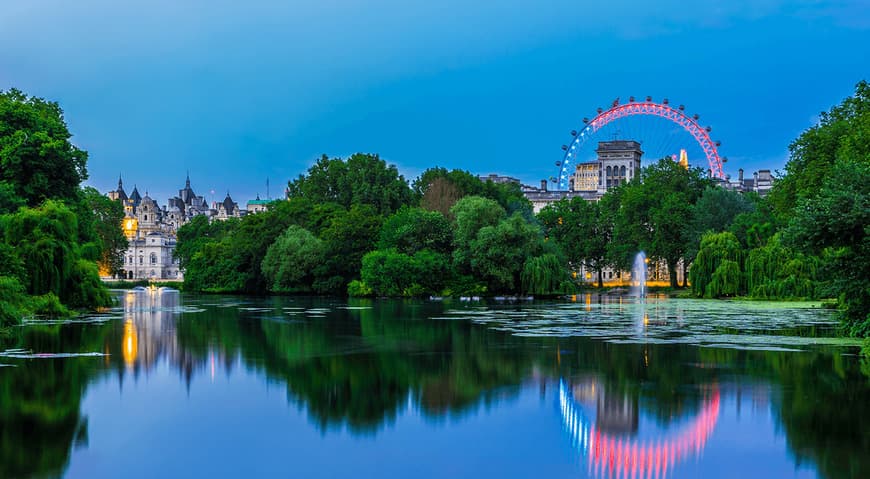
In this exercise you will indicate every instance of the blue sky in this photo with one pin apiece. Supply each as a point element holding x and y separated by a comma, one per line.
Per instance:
<point>237,92</point>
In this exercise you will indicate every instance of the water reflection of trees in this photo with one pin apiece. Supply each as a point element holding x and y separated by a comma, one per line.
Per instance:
<point>359,368</point>
<point>40,418</point>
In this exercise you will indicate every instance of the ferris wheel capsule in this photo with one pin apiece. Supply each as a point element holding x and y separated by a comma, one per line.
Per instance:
<point>585,120</point>
<point>600,109</point>
<point>573,132</point>
<point>718,144</point>
<point>558,163</point>
<point>709,129</point>
<point>631,99</point>
<point>682,107</point>
<point>564,147</point>
<point>648,99</point>
<point>665,101</point>
<point>696,116</point>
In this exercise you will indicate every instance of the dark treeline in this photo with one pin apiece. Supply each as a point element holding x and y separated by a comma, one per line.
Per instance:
<point>356,226</point>
<point>54,235</point>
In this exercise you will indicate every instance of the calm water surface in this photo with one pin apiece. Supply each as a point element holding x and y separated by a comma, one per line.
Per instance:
<point>172,385</point>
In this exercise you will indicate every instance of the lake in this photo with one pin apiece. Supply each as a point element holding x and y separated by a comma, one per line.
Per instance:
<point>179,385</point>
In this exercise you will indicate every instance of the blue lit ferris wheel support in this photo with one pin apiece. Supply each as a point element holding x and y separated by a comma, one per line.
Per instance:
<point>649,108</point>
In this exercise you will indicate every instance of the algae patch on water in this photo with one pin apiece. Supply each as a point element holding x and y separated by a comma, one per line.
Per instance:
<point>760,325</point>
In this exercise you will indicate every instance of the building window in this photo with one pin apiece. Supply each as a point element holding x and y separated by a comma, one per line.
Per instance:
<point>141,260</point>
<point>153,258</point>
<point>146,218</point>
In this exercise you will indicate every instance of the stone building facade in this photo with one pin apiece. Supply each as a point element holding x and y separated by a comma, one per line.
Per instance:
<point>150,229</point>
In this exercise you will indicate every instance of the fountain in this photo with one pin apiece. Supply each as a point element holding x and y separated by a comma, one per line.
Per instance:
<point>638,275</point>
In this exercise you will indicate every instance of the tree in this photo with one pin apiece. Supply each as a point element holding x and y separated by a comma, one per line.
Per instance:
<point>499,252</point>
<point>45,240</point>
<point>715,210</point>
<point>713,274</point>
<point>835,224</point>
<point>290,261</point>
<point>36,156</point>
<point>471,214</point>
<point>413,229</point>
<point>392,273</point>
<point>362,179</point>
<point>440,195</point>
<point>652,213</point>
<point>582,231</point>
<point>669,240</point>
<point>106,216</point>
<point>348,238</point>
<point>544,275</point>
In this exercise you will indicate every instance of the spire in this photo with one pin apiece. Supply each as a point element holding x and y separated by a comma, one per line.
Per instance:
<point>120,183</point>
<point>187,181</point>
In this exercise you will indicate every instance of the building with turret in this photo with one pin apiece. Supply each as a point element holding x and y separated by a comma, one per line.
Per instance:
<point>150,228</point>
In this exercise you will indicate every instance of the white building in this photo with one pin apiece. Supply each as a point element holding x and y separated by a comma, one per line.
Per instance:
<point>150,229</point>
<point>150,256</point>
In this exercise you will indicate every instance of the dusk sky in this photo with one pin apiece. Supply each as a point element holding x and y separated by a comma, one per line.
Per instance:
<point>238,91</point>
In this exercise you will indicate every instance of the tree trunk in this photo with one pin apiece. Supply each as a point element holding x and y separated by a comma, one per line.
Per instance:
<point>685,275</point>
<point>672,273</point>
<point>600,278</point>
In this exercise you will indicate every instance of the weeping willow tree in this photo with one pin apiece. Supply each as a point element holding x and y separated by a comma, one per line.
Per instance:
<point>544,274</point>
<point>45,239</point>
<point>713,271</point>
<point>725,280</point>
<point>774,271</point>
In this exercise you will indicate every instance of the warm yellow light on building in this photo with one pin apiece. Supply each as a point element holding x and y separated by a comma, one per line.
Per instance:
<point>130,225</point>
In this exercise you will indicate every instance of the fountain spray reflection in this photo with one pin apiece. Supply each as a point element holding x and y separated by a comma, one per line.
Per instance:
<point>611,454</point>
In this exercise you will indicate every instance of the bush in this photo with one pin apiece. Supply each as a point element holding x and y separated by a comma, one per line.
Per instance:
<point>358,289</point>
<point>48,305</point>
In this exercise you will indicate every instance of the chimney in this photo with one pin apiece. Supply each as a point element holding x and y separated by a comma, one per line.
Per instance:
<point>740,175</point>
<point>543,185</point>
<point>755,181</point>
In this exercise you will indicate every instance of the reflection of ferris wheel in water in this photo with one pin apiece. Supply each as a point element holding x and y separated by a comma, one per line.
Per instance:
<point>614,455</point>
<point>662,130</point>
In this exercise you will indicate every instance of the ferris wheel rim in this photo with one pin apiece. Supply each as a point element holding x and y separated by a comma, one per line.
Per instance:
<point>645,108</point>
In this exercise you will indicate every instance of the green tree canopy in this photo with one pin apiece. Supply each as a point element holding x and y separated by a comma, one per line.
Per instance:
<point>413,229</point>
<point>499,252</point>
<point>290,261</point>
<point>835,223</point>
<point>362,179</point>
<point>36,157</point>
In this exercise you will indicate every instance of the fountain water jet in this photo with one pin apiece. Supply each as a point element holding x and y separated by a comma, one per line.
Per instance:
<point>638,275</point>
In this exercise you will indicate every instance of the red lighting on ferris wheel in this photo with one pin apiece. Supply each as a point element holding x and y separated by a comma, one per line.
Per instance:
<point>619,111</point>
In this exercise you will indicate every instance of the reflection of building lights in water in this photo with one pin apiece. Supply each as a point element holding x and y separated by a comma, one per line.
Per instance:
<point>130,343</point>
<point>611,456</point>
